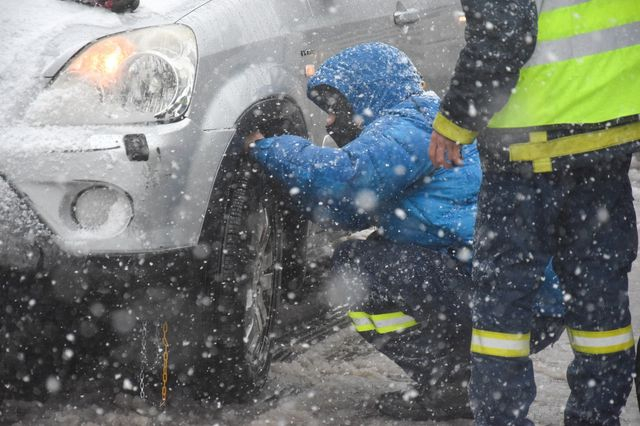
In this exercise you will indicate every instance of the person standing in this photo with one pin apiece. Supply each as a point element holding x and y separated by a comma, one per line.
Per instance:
<point>551,90</point>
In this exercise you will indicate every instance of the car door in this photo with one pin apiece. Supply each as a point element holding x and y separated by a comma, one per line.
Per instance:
<point>343,23</point>
<point>432,34</point>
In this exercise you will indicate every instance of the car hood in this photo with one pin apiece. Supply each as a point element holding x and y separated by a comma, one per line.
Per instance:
<point>40,36</point>
<point>78,29</point>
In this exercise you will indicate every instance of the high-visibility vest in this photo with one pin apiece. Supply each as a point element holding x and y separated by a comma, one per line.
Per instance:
<point>585,68</point>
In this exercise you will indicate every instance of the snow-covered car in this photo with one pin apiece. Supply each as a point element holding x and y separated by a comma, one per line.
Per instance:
<point>133,230</point>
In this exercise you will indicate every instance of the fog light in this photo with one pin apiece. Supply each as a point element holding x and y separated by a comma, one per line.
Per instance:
<point>102,210</point>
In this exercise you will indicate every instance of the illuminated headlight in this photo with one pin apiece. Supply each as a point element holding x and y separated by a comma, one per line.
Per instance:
<point>102,210</point>
<point>460,17</point>
<point>139,76</point>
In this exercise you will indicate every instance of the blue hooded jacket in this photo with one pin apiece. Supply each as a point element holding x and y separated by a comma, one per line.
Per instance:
<point>384,177</point>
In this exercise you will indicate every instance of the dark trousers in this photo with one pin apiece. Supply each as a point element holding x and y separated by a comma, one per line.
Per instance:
<point>382,277</point>
<point>584,218</point>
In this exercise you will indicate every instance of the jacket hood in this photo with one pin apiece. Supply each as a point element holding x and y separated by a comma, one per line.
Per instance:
<point>371,76</point>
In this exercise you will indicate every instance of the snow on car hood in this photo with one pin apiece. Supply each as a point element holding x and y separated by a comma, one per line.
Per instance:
<point>39,36</point>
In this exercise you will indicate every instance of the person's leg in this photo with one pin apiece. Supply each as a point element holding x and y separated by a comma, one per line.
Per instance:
<point>598,242</point>
<point>514,235</point>
<point>548,312</point>
<point>415,312</point>
<point>545,331</point>
<point>434,289</point>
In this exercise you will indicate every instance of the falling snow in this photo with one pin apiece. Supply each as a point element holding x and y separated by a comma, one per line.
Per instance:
<point>331,380</point>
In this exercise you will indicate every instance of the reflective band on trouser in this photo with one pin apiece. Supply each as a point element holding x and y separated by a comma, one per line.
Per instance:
<point>382,323</point>
<point>508,345</point>
<point>601,342</point>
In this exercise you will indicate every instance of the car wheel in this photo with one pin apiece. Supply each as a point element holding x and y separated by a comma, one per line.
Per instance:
<point>218,304</point>
<point>247,296</point>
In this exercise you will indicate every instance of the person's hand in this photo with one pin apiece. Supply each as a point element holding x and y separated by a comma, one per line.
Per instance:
<point>251,139</point>
<point>444,152</point>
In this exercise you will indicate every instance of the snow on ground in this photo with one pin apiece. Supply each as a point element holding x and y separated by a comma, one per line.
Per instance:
<point>335,381</point>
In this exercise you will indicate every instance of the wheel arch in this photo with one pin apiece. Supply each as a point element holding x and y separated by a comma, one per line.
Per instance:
<point>251,85</point>
<point>273,114</point>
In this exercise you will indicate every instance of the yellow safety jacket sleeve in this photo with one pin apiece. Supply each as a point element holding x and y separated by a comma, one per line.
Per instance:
<point>451,130</point>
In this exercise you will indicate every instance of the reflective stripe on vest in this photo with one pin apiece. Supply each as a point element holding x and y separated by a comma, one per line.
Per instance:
<point>601,342</point>
<point>584,68</point>
<point>381,323</point>
<point>508,345</point>
<point>556,4</point>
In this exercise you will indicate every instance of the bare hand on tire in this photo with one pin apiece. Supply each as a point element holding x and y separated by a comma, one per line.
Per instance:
<point>251,139</point>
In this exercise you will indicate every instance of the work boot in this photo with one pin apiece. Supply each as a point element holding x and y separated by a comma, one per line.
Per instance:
<point>412,405</point>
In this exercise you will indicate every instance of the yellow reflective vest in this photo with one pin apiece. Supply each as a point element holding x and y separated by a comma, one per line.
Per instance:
<point>585,69</point>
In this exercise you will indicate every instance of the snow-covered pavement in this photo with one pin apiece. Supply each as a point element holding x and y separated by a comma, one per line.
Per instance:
<point>333,382</point>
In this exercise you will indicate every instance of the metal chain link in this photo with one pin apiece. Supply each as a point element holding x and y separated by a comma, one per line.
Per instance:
<point>157,340</point>
<point>144,362</point>
<point>165,363</point>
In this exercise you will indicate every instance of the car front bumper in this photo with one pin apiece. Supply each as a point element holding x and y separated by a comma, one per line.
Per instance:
<point>46,169</point>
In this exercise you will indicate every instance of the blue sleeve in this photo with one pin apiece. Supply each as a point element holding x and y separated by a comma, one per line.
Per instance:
<point>390,155</point>
<point>347,184</point>
<point>315,178</point>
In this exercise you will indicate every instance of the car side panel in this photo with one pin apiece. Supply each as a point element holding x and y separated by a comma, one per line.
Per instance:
<point>248,50</point>
<point>434,41</point>
<point>338,24</point>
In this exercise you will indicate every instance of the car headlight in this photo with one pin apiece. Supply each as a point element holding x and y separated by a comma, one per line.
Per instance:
<point>139,76</point>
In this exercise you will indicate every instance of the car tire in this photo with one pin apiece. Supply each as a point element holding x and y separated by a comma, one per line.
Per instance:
<point>248,289</point>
